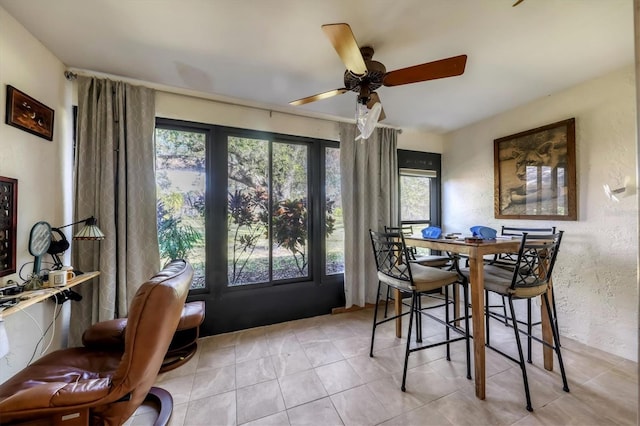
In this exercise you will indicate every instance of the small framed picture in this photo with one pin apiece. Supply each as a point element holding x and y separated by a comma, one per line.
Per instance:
<point>27,114</point>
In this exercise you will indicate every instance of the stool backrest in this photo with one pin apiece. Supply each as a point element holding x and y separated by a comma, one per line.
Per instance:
<point>531,231</point>
<point>536,259</point>
<point>390,253</point>
<point>406,230</point>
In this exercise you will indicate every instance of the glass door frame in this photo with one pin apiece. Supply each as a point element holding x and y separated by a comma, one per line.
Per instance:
<point>240,307</point>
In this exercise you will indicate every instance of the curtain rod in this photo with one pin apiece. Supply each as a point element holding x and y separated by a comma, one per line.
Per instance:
<point>71,75</point>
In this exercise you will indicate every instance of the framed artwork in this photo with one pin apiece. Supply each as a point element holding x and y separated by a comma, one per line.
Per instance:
<point>27,114</point>
<point>535,173</point>
<point>8,224</point>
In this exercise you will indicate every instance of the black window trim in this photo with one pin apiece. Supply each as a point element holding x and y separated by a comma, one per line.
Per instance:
<point>420,160</point>
<point>218,214</point>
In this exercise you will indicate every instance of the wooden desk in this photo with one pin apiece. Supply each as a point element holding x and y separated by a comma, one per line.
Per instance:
<point>476,253</point>
<point>29,298</point>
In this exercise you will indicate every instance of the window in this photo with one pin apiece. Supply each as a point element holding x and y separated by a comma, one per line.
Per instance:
<point>416,198</point>
<point>248,209</point>
<point>268,211</point>
<point>180,183</point>
<point>333,221</point>
<point>419,187</point>
<point>419,183</point>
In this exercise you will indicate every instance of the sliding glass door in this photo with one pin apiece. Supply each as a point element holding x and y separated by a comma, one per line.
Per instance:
<point>268,185</point>
<point>267,239</point>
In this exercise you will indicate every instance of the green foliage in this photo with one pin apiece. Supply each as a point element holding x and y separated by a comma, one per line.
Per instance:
<point>175,238</point>
<point>180,150</point>
<point>415,202</point>
<point>177,143</point>
<point>247,220</point>
<point>247,163</point>
<point>330,221</point>
<point>289,168</point>
<point>162,180</point>
<point>332,175</point>
<point>267,192</point>
<point>289,227</point>
<point>180,164</point>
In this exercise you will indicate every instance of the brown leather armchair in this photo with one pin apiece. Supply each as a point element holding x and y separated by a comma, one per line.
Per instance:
<point>110,334</point>
<point>99,386</point>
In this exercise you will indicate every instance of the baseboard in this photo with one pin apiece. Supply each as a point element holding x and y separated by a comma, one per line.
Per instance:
<point>354,308</point>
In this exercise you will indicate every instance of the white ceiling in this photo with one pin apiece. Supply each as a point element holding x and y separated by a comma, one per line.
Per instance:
<point>270,52</point>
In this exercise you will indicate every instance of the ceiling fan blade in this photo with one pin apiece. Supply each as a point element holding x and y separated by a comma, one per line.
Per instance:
<point>319,96</point>
<point>342,39</point>
<point>373,98</point>
<point>443,68</point>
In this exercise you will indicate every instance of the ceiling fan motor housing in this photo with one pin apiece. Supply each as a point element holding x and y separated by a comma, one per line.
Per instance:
<point>372,79</point>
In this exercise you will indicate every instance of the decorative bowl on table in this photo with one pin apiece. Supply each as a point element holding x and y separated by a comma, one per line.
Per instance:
<point>431,232</point>
<point>483,232</point>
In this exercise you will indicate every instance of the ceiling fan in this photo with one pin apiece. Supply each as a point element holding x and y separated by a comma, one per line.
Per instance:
<point>364,75</point>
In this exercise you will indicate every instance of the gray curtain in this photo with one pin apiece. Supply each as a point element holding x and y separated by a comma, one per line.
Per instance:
<point>114,180</point>
<point>369,184</point>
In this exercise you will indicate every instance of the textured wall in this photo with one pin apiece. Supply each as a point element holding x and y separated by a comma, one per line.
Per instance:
<point>595,279</point>
<point>43,170</point>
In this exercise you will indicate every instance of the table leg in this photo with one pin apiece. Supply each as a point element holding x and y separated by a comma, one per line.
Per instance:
<point>476,277</point>
<point>547,334</point>
<point>397,301</point>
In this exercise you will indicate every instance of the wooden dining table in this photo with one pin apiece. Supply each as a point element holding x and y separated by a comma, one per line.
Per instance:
<point>476,251</point>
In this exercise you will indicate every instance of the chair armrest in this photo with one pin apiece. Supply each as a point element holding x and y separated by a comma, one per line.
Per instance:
<point>110,334</point>
<point>192,315</point>
<point>105,334</point>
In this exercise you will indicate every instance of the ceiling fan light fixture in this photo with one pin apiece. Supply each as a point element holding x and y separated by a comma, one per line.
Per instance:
<point>366,119</point>
<point>361,113</point>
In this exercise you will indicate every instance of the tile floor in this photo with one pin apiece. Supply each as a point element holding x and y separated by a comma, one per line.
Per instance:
<point>317,371</point>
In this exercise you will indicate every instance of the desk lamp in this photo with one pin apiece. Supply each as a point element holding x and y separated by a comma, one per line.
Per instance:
<point>89,231</point>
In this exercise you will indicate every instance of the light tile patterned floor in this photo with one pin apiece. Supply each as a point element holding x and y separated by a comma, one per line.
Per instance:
<point>317,371</point>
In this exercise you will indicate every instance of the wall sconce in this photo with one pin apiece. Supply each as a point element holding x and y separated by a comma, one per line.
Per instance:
<point>617,193</point>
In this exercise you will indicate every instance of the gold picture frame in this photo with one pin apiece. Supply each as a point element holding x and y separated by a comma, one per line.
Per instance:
<point>28,114</point>
<point>535,173</point>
